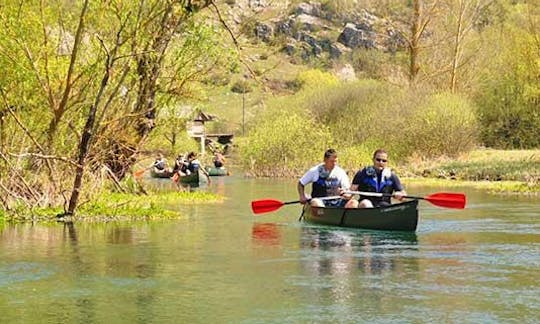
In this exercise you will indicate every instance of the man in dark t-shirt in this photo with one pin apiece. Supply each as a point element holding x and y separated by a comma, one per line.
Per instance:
<point>378,179</point>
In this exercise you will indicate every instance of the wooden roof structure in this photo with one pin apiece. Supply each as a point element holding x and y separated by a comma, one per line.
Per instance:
<point>203,117</point>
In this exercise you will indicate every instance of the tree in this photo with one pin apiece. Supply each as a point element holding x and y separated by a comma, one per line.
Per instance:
<point>464,16</point>
<point>102,88</point>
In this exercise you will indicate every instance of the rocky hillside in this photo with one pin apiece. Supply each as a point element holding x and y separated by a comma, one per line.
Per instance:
<point>311,30</point>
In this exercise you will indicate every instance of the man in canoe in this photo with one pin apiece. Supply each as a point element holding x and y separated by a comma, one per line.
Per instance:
<point>160,163</point>
<point>195,166</point>
<point>219,160</point>
<point>327,179</point>
<point>380,179</point>
<point>181,166</point>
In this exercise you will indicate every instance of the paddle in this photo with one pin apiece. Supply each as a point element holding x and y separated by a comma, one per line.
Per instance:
<point>268,205</point>
<point>442,199</point>
<point>140,172</point>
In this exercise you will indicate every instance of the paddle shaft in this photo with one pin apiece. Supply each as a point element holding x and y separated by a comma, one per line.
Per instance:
<point>379,194</point>
<point>321,198</point>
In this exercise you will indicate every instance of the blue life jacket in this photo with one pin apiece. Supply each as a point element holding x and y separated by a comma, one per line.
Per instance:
<point>372,184</point>
<point>324,184</point>
<point>194,166</point>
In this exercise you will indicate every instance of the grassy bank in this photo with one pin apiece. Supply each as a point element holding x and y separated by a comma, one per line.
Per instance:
<point>500,171</point>
<point>119,207</point>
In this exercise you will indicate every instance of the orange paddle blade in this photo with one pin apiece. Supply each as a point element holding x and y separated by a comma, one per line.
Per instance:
<point>139,173</point>
<point>447,199</point>
<point>265,205</point>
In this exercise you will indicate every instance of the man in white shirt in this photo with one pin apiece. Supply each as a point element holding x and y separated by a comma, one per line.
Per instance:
<point>327,179</point>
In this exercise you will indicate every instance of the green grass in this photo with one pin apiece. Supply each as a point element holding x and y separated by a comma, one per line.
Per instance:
<point>121,207</point>
<point>498,171</point>
<point>495,187</point>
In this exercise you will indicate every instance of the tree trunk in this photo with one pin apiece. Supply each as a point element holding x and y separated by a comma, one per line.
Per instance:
<point>456,53</point>
<point>84,146</point>
<point>414,47</point>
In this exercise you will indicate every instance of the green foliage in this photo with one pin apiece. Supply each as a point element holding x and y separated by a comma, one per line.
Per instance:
<point>241,86</point>
<point>311,80</point>
<point>284,143</point>
<point>353,158</point>
<point>119,206</point>
<point>444,125</point>
<point>509,97</point>
<point>162,140</point>
<point>361,117</point>
<point>356,112</point>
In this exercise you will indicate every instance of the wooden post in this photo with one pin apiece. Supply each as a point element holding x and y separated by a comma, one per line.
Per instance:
<point>202,143</point>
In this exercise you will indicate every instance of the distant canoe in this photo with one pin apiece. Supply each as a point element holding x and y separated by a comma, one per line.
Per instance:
<point>157,173</point>
<point>190,179</point>
<point>213,171</point>
<point>396,217</point>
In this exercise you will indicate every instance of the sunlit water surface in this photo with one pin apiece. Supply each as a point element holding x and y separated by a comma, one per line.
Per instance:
<point>220,263</point>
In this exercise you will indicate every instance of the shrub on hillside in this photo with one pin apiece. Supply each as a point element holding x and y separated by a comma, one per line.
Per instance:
<point>360,111</point>
<point>284,144</point>
<point>403,122</point>
<point>241,86</point>
<point>444,125</point>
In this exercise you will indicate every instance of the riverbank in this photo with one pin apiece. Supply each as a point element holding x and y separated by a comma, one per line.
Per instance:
<point>495,171</point>
<point>112,206</point>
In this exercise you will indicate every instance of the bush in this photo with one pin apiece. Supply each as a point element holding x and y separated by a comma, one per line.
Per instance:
<point>284,144</point>
<point>509,98</point>
<point>360,111</point>
<point>241,86</point>
<point>444,125</point>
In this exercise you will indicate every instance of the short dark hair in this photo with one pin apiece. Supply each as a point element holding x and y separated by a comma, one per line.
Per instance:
<point>330,152</point>
<point>379,151</point>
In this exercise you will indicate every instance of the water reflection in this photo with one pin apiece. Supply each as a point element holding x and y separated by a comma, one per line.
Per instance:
<point>368,252</point>
<point>85,306</point>
<point>121,235</point>
<point>266,233</point>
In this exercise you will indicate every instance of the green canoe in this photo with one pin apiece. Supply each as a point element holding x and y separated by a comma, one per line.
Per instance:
<point>397,217</point>
<point>190,179</point>
<point>213,171</point>
<point>157,173</point>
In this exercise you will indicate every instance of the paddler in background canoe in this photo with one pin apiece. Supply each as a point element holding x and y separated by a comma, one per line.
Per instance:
<point>195,166</point>
<point>160,167</point>
<point>378,178</point>
<point>219,160</point>
<point>181,166</point>
<point>327,179</point>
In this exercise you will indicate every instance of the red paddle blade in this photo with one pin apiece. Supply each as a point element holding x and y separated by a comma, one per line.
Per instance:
<point>265,205</point>
<point>447,199</point>
<point>175,177</point>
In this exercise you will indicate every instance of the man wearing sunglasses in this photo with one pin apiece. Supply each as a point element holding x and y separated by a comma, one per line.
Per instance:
<point>377,178</point>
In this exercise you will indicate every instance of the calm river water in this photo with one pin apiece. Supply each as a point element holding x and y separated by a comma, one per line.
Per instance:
<point>220,263</point>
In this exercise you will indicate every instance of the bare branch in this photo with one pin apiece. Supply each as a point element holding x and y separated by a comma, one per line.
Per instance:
<point>45,157</point>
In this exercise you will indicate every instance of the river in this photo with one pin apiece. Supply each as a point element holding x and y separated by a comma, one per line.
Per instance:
<point>221,263</point>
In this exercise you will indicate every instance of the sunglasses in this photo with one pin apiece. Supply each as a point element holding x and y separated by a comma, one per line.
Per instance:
<point>381,160</point>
